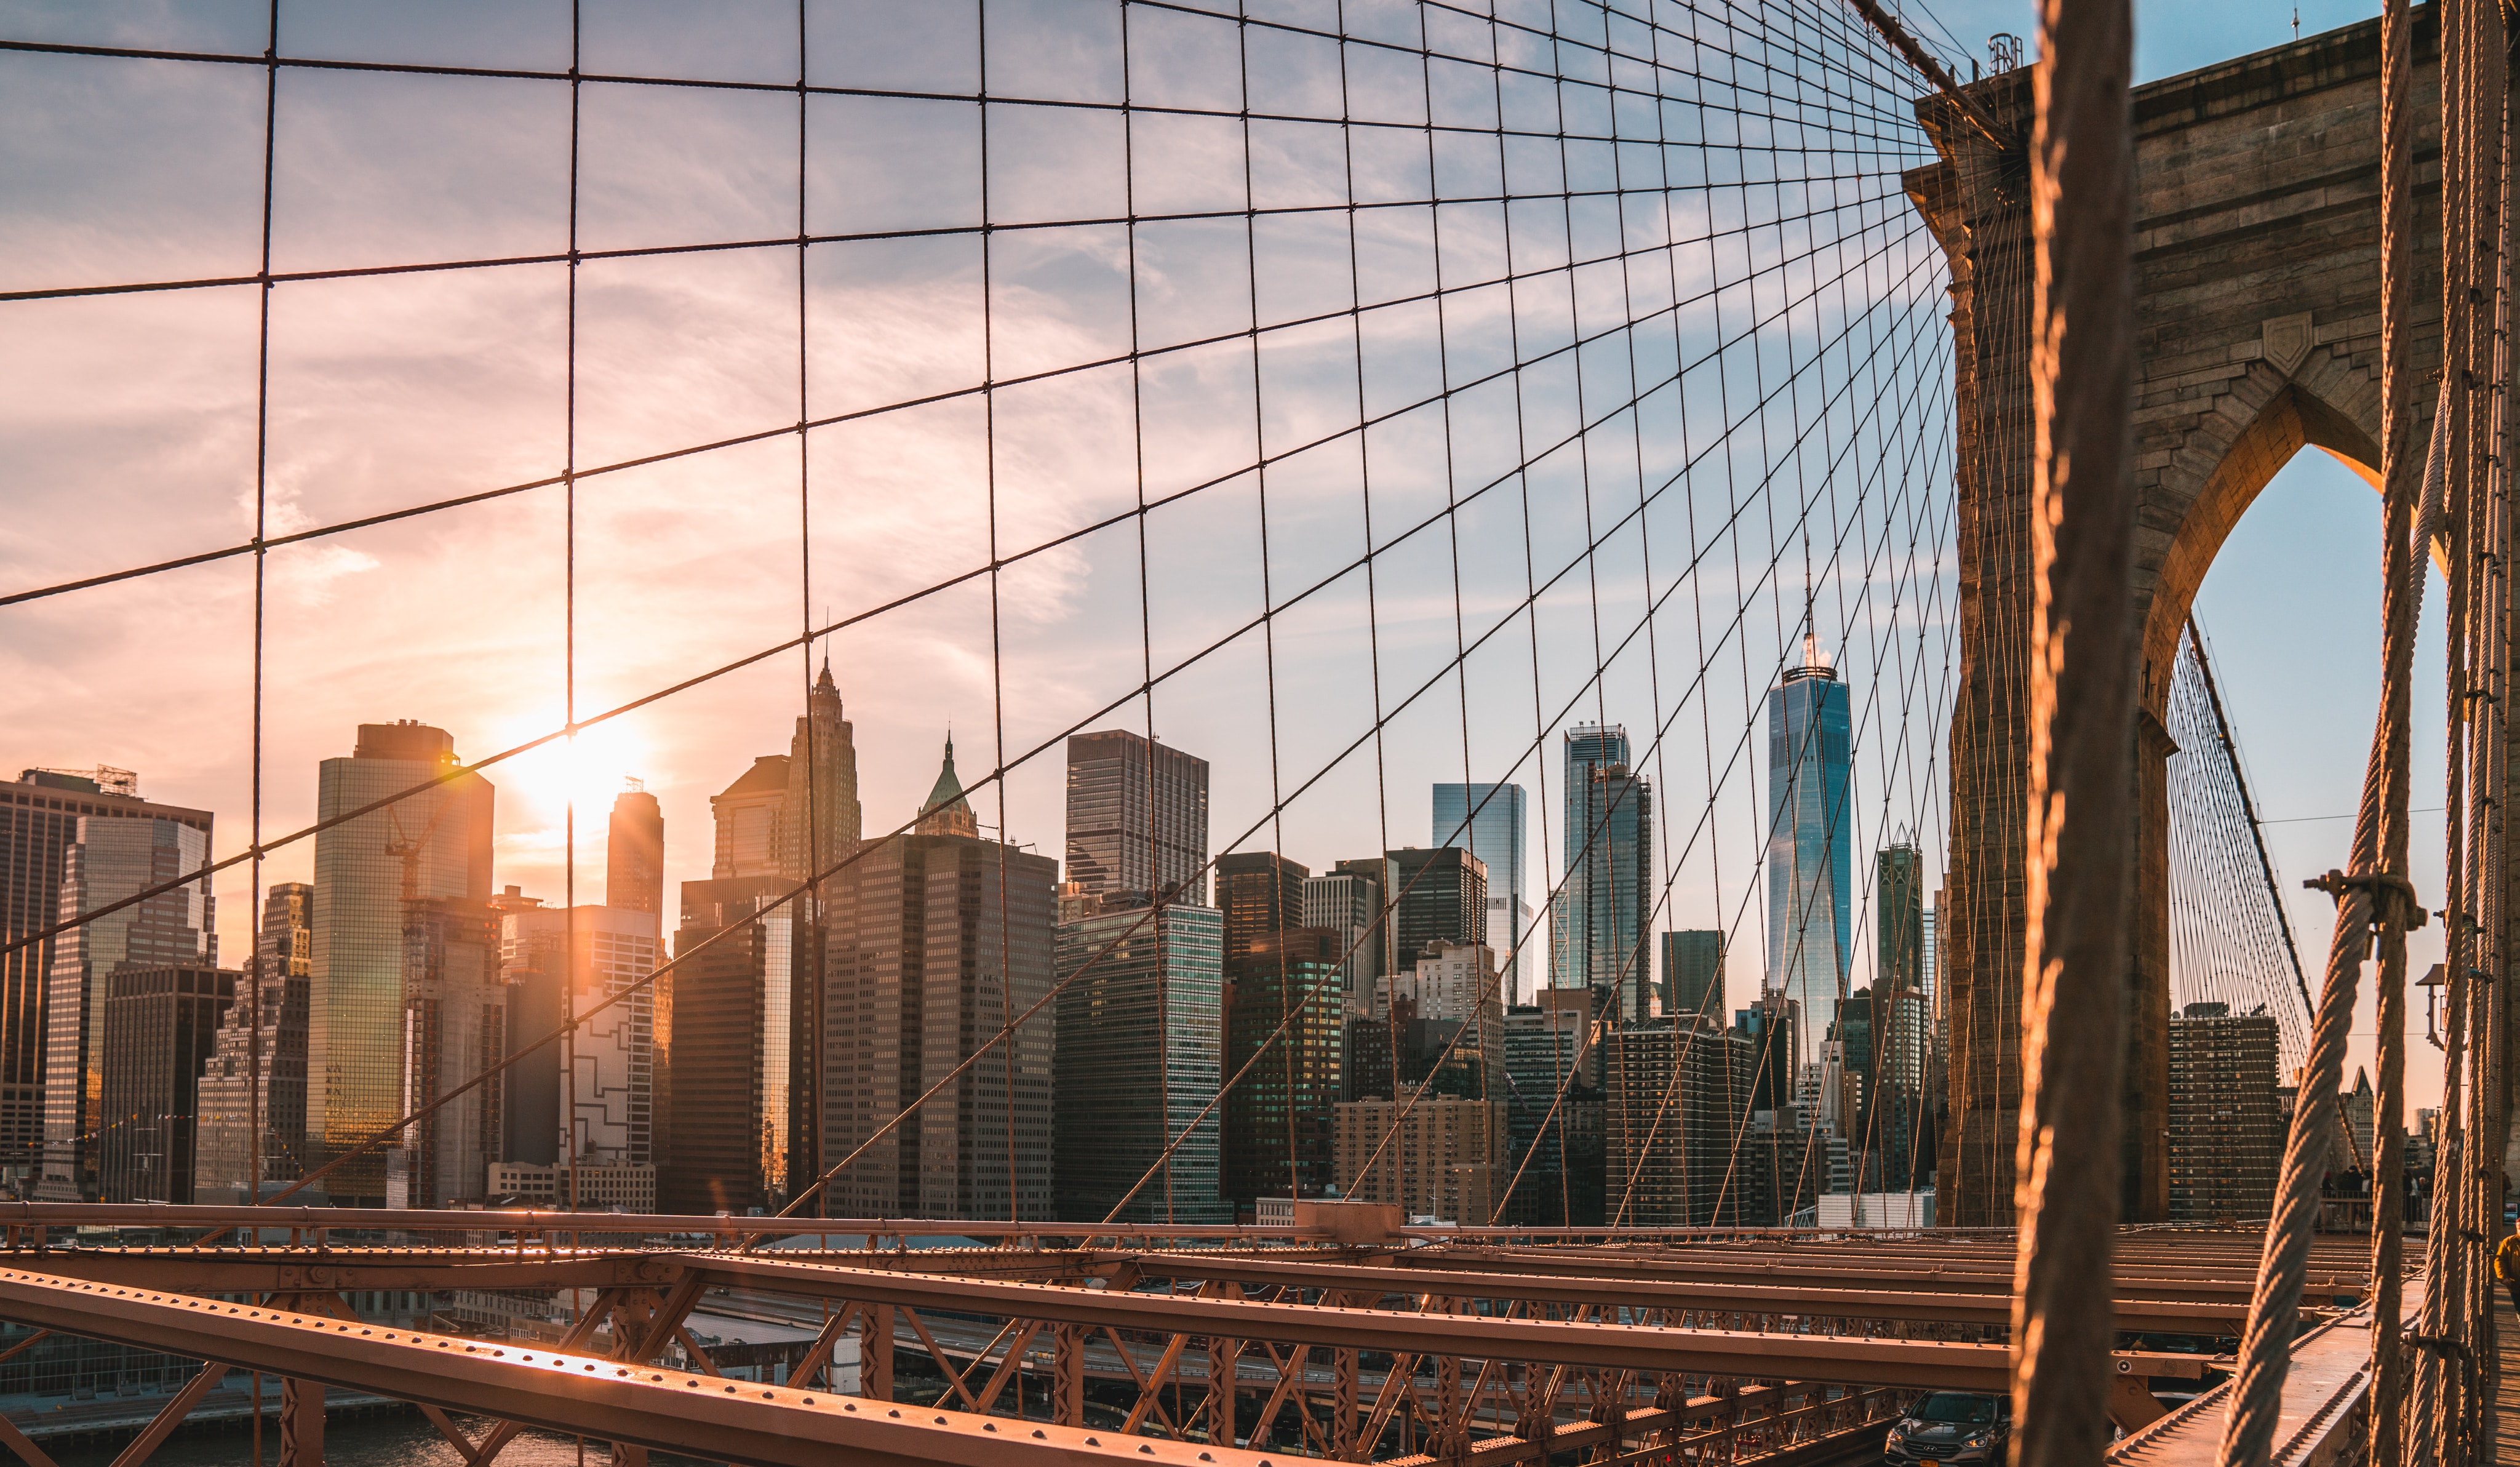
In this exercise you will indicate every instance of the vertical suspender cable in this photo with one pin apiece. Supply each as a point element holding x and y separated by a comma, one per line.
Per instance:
<point>569,839</point>
<point>2081,729</point>
<point>253,1106</point>
<point>2372,894</point>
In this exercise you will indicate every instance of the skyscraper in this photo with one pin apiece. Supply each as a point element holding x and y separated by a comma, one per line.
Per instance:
<point>723,1020</point>
<point>454,1027</point>
<point>1438,897</point>
<point>1693,974</point>
<point>1885,1035</point>
<point>931,941</point>
<point>1605,908</point>
<point>1487,820</point>
<point>433,843</point>
<point>1348,901</point>
<point>1140,1040</point>
<point>110,858</point>
<point>39,815</point>
<point>1673,1111</point>
<point>1899,903</point>
<point>819,818</point>
<point>947,812</point>
<point>226,1153</point>
<point>1137,817</point>
<point>1810,843</point>
<point>1773,1026</point>
<point>1278,1121</point>
<point>1553,1062</point>
<point>159,1025</point>
<point>2226,1130</point>
<point>1261,893</point>
<point>597,952</point>
<point>748,816</point>
<point>634,854</point>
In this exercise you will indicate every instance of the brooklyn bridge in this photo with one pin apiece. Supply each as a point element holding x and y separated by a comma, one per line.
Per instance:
<point>1367,389</point>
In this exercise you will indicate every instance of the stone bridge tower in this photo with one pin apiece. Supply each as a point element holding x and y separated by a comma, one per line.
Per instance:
<point>2257,258</point>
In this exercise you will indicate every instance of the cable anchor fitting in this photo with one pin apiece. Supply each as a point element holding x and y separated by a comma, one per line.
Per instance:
<point>2394,902</point>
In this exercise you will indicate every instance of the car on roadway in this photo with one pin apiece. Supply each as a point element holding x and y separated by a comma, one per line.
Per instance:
<point>1950,1426</point>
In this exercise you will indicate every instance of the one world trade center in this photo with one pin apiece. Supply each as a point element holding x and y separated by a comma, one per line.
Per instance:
<point>1810,838</point>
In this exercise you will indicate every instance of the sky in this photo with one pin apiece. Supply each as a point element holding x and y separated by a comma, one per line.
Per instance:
<point>130,426</point>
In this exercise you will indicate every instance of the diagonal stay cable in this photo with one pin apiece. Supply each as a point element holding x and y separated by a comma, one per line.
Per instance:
<point>641,985</point>
<point>906,599</point>
<point>1782,265</point>
<point>1264,1049</point>
<point>1591,836</point>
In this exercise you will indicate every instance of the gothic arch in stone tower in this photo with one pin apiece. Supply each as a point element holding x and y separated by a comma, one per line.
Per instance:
<point>2257,282</point>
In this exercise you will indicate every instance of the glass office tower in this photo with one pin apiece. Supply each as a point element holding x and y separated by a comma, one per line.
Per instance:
<point>1487,820</point>
<point>1137,817</point>
<point>1810,838</point>
<point>433,843</point>
<point>1136,1065</point>
<point>1599,922</point>
<point>111,857</point>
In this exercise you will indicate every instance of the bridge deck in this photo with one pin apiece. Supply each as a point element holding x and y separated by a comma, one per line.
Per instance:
<point>2505,1425</point>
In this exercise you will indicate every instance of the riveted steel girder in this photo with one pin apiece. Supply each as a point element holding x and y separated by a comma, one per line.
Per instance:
<point>698,1416</point>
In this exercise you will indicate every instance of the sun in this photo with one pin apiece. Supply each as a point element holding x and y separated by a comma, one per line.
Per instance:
<point>591,769</point>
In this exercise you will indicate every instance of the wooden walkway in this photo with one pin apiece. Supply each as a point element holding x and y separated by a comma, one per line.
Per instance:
<point>2505,1425</point>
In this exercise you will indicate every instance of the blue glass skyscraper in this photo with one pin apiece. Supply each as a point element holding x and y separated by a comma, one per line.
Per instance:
<point>1810,836</point>
<point>1486,819</point>
<point>1597,923</point>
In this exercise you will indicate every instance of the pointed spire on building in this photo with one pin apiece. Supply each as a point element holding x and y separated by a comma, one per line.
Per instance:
<point>821,819</point>
<point>947,812</point>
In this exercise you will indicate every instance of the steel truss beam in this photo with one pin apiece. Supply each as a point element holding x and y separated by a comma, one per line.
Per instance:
<point>761,1426</point>
<point>2156,1316</point>
<point>272,1270</point>
<point>1841,1359</point>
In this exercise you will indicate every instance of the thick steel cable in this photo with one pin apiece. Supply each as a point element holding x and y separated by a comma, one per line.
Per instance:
<point>2403,569</point>
<point>2436,1391</point>
<point>2266,1350</point>
<point>2489,1026</point>
<point>2082,724</point>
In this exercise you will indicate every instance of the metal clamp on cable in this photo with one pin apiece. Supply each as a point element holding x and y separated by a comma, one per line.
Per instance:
<point>2393,897</point>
